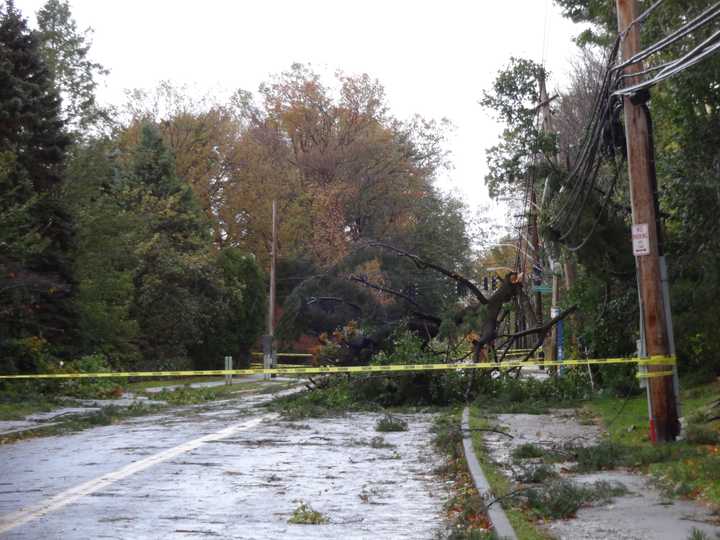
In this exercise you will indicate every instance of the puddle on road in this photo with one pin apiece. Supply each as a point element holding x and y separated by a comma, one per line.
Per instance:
<point>642,514</point>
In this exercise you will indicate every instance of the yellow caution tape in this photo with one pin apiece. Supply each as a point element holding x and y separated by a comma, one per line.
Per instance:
<point>283,354</point>
<point>653,374</point>
<point>317,370</point>
<point>282,365</point>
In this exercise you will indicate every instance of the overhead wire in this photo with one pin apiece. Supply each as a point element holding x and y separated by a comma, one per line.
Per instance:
<point>689,27</point>
<point>600,134</point>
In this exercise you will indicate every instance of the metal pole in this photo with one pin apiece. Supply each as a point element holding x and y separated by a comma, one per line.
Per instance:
<point>228,366</point>
<point>670,330</point>
<point>269,357</point>
<point>643,199</point>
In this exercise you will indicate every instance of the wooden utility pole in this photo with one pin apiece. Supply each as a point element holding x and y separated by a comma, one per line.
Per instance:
<point>534,237</point>
<point>550,353</point>
<point>664,425</point>
<point>268,346</point>
<point>273,261</point>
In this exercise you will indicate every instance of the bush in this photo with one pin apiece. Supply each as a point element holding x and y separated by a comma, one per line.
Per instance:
<point>527,451</point>
<point>97,388</point>
<point>507,393</point>
<point>562,498</point>
<point>538,474</point>
<point>391,423</point>
<point>305,515</point>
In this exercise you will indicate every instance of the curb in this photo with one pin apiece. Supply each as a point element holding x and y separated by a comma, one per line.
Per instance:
<point>497,516</point>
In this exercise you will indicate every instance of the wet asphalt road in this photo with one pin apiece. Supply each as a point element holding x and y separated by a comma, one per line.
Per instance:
<point>226,470</point>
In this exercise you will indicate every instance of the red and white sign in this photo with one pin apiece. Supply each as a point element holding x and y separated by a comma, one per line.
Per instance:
<point>640,239</point>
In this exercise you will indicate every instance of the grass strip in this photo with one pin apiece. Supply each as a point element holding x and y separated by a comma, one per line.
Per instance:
<point>689,468</point>
<point>525,527</point>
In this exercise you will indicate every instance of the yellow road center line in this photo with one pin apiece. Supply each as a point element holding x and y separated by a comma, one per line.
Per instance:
<point>69,496</point>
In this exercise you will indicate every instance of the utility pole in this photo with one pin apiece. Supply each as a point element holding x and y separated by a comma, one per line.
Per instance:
<point>551,353</point>
<point>268,346</point>
<point>664,425</point>
<point>534,235</point>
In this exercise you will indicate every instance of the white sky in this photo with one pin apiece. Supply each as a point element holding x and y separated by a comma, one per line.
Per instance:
<point>434,58</point>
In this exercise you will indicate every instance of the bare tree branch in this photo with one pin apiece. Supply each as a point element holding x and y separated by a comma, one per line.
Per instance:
<point>364,281</point>
<point>318,299</point>
<point>422,264</point>
<point>544,328</point>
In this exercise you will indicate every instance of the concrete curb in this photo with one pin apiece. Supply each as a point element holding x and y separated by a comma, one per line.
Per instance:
<point>497,516</point>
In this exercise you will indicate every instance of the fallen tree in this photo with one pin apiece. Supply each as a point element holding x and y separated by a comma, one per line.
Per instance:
<point>480,315</point>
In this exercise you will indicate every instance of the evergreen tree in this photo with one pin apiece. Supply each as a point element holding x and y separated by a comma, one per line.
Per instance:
<point>177,288</point>
<point>242,319</point>
<point>65,51</point>
<point>35,230</point>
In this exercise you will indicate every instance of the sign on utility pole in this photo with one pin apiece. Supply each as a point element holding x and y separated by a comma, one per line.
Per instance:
<point>664,425</point>
<point>269,358</point>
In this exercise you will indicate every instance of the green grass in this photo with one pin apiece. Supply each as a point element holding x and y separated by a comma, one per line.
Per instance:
<point>684,468</point>
<point>140,386</point>
<point>466,508</point>
<point>183,395</point>
<point>524,526</point>
<point>17,410</point>
<point>187,395</point>
<point>104,417</point>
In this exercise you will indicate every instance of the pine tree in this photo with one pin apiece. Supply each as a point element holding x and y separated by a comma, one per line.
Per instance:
<point>65,51</point>
<point>177,287</point>
<point>35,231</point>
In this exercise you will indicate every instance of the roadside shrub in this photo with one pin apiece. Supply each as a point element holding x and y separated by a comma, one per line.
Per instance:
<point>185,395</point>
<point>98,388</point>
<point>305,515</point>
<point>538,474</point>
<point>336,397</point>
<point>507,393</point>
<point>527,451</point>
<point>391,423</point>
<point>619,379</point>
<point>562,498</point>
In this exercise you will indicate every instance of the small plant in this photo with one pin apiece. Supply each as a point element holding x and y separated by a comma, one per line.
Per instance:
<point>528,451</point>
<point>391,423</point>
<point>305,515</point>
<point>562,498</point>
<point>697,534</point>
<point>186,395</point>
<point>538,474</point>
<point>604,456</point>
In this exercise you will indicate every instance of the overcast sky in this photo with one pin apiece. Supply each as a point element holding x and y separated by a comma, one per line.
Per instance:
<point>433,57</point>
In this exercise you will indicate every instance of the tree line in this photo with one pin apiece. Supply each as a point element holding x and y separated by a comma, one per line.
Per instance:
<point>595,240</point>
<point>141,233</point>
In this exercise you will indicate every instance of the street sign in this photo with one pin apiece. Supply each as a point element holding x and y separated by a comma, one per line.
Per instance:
<point>640,239</point>
<point>542,289</point>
